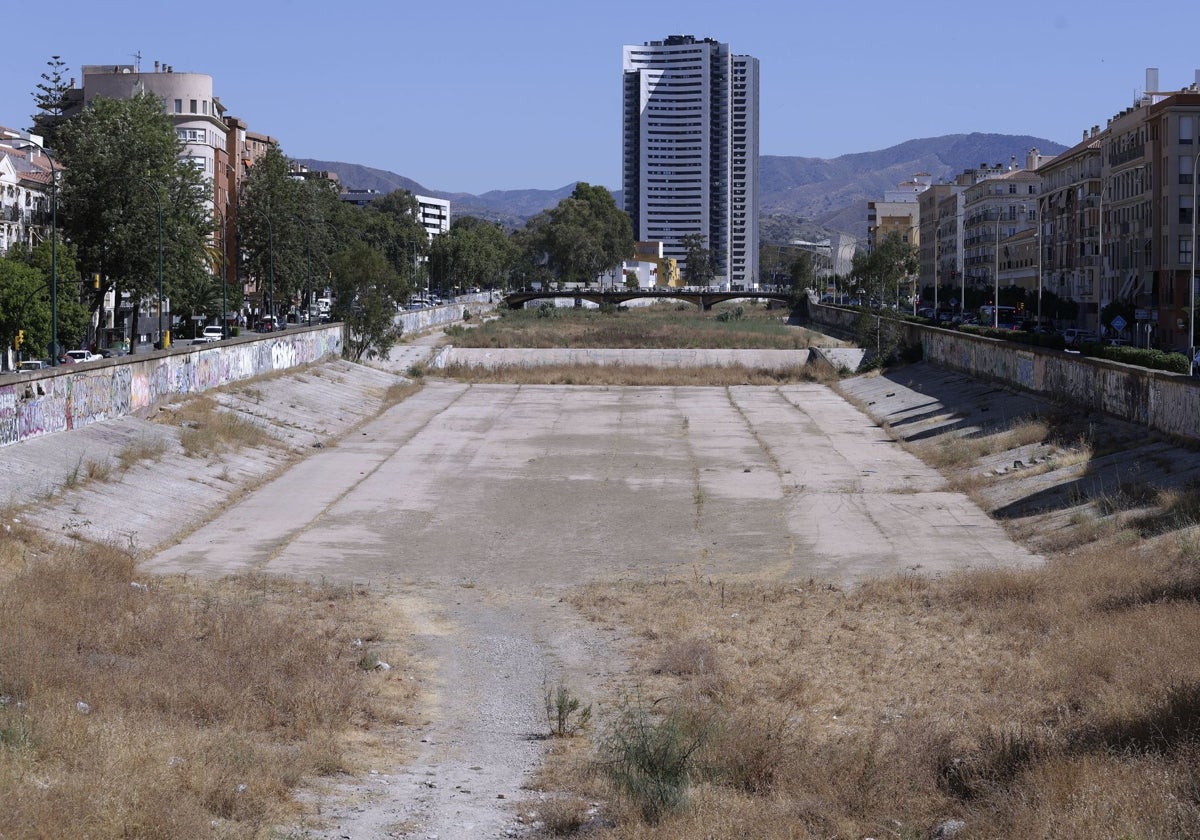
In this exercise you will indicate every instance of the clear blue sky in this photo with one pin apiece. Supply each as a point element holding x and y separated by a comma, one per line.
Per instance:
<point>474,96</point>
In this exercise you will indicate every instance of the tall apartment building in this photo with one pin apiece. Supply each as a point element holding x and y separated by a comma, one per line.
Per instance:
<point>1069,227</point>
<point>1149,157</point>
<point>994,209</point>
<point>690,150</point>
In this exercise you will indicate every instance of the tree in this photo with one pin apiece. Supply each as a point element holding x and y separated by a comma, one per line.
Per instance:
<point>24,307</point>
<point>123,182</point>
<point>698,269</point>
<point>887,267</point>
<point>585,235</point>
<point>881,273</point>
<point>391,225</point>
<point>802,273</point>
<point>30,304</point>
<point>368,293</point>
<point>473,252</point>
<point>50,97</point>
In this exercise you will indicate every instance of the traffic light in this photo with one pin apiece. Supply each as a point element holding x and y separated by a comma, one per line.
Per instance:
<point>96,280</point>
<point>19,340</point>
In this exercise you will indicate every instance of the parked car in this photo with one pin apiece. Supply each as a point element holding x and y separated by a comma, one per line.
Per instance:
<point>32,364</point>
<point>84,355</point>
<point>1073,337</point>
<point>211,333</point>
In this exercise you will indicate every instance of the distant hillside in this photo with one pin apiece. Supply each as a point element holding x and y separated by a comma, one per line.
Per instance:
<point>800,196</point>
<point>510,207</point>
<point>834,193</point>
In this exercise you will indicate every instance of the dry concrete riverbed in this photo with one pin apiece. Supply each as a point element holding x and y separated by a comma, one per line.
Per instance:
<point>479,505</point>
<point>476,507</point>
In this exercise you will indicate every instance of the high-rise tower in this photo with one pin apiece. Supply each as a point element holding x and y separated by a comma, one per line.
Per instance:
<point>690,150</point>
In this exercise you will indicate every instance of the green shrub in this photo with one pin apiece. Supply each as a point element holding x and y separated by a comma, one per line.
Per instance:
<point>649,756</point>
<point>1147,358</point>
<point>565,713</point>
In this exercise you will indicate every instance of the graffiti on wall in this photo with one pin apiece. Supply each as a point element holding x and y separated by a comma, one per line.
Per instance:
<point>61,399</point>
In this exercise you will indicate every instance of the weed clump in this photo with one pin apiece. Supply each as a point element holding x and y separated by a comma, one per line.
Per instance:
<point>649,755</point>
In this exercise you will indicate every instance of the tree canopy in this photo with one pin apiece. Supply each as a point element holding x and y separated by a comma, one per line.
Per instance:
<point>473,252</point>
<point>585,235</point>
<point>698,268</point>
<point>125,190</point>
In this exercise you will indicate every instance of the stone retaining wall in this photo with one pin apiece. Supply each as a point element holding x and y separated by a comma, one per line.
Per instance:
<point>420,320</point>
<point>70,396</point>
<point>1166,402</point>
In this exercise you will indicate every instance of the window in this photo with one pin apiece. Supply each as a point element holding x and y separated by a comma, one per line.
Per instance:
<point>1185,209</point>
<point>1185,169</point>
<point>1185,130</point>
<point>192,104</point>
<point>1185,250</point>
<point>178,106</point>
<point>204,107</point>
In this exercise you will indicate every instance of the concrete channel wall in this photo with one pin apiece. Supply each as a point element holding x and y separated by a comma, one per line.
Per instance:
<point>71,396</point>
<point>517,357</point>
<point>1166,402</point>
<point>420,320</point>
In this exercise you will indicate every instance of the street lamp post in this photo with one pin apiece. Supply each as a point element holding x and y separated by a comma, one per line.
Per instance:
<point>996,277</point>
<point>164,335</point>
<point>224,274</point>
<point>937,253</point>
<point>1192,279</point>
<point>1040,230</point>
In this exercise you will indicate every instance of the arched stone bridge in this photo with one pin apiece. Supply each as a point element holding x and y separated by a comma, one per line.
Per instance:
<point>704,299</point>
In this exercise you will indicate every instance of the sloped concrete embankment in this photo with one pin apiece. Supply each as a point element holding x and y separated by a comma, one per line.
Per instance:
<point>71,397</point>
<point>1166,402</point>
<point>130,481</point>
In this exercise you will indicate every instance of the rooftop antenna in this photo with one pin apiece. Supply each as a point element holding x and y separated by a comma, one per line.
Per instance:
<point>137,56</point>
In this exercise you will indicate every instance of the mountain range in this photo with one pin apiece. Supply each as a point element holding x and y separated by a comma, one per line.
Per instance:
<point>799,196</point>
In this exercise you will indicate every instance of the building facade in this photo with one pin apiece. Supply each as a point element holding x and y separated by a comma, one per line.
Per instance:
<point>690,142</point>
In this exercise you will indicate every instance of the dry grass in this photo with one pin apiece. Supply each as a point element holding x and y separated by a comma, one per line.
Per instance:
<point>960,450</point>
<point>1061,701</point>
<point>206,428</point>
<point>582,374</point>
<point>145,448</point>
<point>999,698</point>
<point>659,326</point>
<point>177,709</point>
<point>400,391</point>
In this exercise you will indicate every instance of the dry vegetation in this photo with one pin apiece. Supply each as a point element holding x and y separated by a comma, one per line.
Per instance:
<point>659,326</point>
<point>172,708</point>
<point>585,374</point>
<point>208,429</point>
<point>1057,702</point>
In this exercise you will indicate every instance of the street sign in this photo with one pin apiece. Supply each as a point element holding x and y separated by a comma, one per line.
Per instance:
<point>1142,314</point>
<point>1118,323</point>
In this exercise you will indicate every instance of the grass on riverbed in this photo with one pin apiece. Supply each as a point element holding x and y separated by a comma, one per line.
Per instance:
<point>1061,701</point>
<point>581,374</point>
<point>172,708</point>
<point>659,326</point>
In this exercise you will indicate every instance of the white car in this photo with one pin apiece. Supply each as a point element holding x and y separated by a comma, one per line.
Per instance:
<point>211,333</point>
<point>84,355</point>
